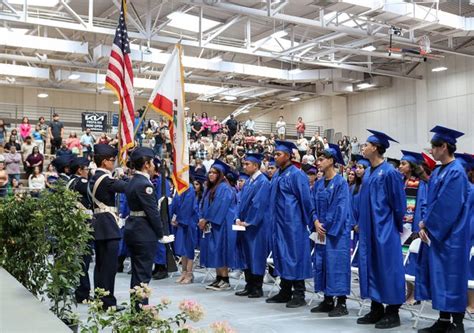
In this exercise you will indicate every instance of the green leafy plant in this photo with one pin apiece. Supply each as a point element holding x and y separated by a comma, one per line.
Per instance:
<point>24,246</point>
<point>69,236</point>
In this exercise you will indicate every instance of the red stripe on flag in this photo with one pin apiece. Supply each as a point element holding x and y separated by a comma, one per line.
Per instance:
<point>164,104</point>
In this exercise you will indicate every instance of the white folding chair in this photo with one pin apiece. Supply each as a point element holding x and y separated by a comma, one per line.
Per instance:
<point>276,280</point>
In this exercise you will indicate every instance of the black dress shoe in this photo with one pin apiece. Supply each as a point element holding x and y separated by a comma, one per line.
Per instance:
<point>256,293</point>
<point>323,307</point>
<point>160,275</point>
<point>370,318</point>
<point>339,311</point>
<point>456,328</point>
<point>388,321</point>
<point>296,302</point>
<point>438,327</point>
<point>244,292</point>
<point>278,298</point>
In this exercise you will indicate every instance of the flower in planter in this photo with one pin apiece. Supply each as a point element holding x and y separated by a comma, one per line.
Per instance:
<point>222,327</point>
<point>152,310</point>
<point>165,301</point>
<point>192,309</point>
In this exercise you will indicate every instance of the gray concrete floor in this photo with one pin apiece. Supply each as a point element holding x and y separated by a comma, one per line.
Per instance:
<point>254,315</point>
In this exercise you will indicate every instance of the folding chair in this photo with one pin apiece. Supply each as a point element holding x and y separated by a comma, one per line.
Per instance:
<point>276,280</point>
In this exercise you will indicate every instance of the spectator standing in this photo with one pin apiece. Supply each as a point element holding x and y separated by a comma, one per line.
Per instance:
<point>33,160</point>
<point>55,133</point>
<point>12,161</point>
<point>355,148</point>
<point>159,141</point>
<point>300,128</point>
<point>250,126</point>
<point>215,126</point>
<point>74,144</point>
<point>187,120</point>
<point>138,136</point>
<point>27,148</point>
<point>3,132</point>
<point>44,132</point>
<point>232,126</point>
<point>205,121</point>
<point>38,138</point>
<point>87,143</point>
<point>196,128</point>
<point>281,128</point>
<point>25,128</point>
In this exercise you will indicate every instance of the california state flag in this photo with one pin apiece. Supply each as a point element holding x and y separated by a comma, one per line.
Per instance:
<point>168,100</point>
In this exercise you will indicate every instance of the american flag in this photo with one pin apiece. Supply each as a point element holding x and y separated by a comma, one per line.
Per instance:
<point>119,79</point>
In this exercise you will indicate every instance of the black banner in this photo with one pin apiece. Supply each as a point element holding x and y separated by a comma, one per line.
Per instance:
<point>97,122</point>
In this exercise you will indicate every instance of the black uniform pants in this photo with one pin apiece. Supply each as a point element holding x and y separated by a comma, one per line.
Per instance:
<point>253,281</point>
<point>106,252</point>
<point>389,309</point>
<point>84,289</point>
<point>298,288</point>
<point>141,256</point>
<point>55,144</point>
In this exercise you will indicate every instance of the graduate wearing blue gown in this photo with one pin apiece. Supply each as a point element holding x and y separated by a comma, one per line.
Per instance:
<point>216,216</point>
<point>291,214</point>
<point>382,207</point>
<point>442,274</point>
<point>332,216</point>
<point>361,165</point>
<point>251,213</point>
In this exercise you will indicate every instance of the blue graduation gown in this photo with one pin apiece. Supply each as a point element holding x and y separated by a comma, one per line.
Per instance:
<point>291,212</point>
<point>332,270</point>
<point>185,207</point>
<point>381,211</point>
<point>420,209</point>
<point>252,243</point>
<point>471,225</point>
<point>160,254</point>
<point>124,211</point>
<point>442,273</point>
<point>355,198</point>
<point>218,246</point>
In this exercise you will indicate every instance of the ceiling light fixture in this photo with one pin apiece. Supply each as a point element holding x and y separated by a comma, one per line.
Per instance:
<point>295,99</point>
<point>116,102</point>
<point>279,34</point>
<point>230,98</point>
<point>369,48</point>
<point>365,85</point>
<point>73,76</point>
<point>43,95</point>
<point>439,69</point>
<point>183,21</point>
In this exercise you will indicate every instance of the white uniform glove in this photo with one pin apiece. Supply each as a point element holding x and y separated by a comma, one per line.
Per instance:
<point>166,239</point>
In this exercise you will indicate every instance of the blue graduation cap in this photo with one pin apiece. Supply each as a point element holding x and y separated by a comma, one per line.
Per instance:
<point>62,161</point>
<point>243,176</point>
<point>312,171</point>
<point>335,152</point>
<point>232,175</point>
<point>80,162</point>
<point>103,149</point>
<point>271,161</point>
<point>222,167</point>
<point>362,161</point>
<point>285,146</point>
<point>380,138</point>
<point>253,157</point>
<point>141,152</point>
<point>466,160</point>
<point>412,157</point>
<point>445,134</point>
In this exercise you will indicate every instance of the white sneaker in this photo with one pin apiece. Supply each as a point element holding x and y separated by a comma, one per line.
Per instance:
<point>222,285</point>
